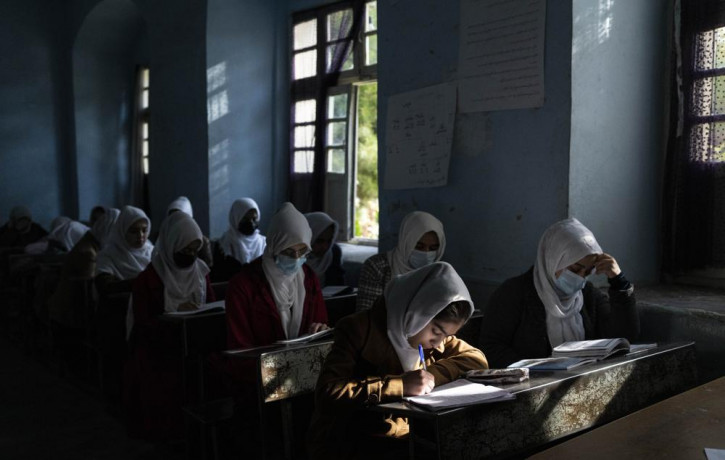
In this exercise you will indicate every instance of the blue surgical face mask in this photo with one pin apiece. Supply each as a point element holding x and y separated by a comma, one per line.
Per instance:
<point>569,283</point>
<point>419,259</point>
<point>289,265</point>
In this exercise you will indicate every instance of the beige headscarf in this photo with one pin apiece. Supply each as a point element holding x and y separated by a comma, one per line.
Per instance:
<point>319,222</point>
<point>412,228</point>
<point>244,248</point>
<point>561,245</point>
<point>182,204</point>
<point>180,284</point>
<point>67,233</point>
<point>287,228</point>
<point>414,299</point>
<point>118,258</point>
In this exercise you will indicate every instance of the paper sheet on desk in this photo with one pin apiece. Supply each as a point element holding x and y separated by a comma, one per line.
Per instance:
<point>459,393</point>
<point>714,454</point>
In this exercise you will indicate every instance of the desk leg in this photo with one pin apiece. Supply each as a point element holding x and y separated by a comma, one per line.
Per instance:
<point>424,443</point>
<point>287,432</point>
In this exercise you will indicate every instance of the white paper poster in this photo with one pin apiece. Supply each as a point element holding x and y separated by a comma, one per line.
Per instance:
<point>419,136</point>
<point>501,55</point>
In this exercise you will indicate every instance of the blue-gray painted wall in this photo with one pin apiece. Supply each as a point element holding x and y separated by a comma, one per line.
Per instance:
<point>619,70</point>
<point>509,171</point>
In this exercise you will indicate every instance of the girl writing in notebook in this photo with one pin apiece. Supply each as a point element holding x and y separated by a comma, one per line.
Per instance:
<point>375,359</point>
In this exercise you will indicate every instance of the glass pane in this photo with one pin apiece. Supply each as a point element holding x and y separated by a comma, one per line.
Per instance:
<point>332,56</point>
<point>305,34</point>
<point>145,99</point>
<point>144,130</point>
<point>336,161</point>
<point>305,65</point>
<point>336,133</point>
<point>337,106</point>
<point>305,136</point>
<point>708,96</point>
<point>339,25</point>
<point>305,111</point>
<point>710,49</point>
<point>707,142</point>
<point>146,165</point>
<point>371,49</point>
<point>145,148</point>
<point>145,78</point>
<point>371,16</point>
<point>304,161</point>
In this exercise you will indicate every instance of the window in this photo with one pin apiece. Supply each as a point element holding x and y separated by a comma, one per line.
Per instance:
<point>695,178</point>
<point>334,115</point>
<point>143,118</point>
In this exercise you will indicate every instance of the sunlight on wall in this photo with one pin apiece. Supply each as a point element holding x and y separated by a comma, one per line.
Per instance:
<point>605,20</point>
<point>217,104</point>
<point>219,172</point>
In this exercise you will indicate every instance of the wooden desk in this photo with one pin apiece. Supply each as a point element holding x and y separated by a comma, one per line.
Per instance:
<point>551,405</point>
<point>285,372</point>
<point>676,428</point>
<point>199,335</point>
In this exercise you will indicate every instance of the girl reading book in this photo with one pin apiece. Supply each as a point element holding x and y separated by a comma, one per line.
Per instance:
<point>375,359</point>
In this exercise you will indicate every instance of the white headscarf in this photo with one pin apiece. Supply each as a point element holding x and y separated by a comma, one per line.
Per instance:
<point>561,245</point>
<point>412,228</point>
<point>319,222</point>
<point>414,299</point>
<point>118,258</point>
<point>67,232</point>
<point>182,204</point>
<point>180,284</point>
<point>101,229</point>
<point>244,248</point>
<point>287,228</point>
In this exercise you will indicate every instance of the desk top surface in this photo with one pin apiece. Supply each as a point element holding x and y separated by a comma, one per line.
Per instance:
<point>678,427</point>
<point>539,380</point>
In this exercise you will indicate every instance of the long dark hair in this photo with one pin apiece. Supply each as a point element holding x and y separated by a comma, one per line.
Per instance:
<point>460,310</point>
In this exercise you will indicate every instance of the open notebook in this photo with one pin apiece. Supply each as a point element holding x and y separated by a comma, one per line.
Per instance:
<point>307,338</point>
<point>457,394</point>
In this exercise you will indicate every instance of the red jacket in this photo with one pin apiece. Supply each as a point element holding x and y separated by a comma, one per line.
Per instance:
<point>252,316</point>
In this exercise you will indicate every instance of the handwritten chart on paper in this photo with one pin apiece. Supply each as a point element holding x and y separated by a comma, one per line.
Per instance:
<point>419,137</point>
<point>501,56</point>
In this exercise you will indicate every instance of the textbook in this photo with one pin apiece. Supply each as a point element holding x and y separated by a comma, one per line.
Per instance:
<point>206,308</point>
<point>307,337</point>
<point>551,364</point>
<point>457,394</point>
<point>489,376</point>
<point>599,349</point>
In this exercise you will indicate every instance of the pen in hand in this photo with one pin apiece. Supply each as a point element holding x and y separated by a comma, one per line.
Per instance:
<point>422,357</point>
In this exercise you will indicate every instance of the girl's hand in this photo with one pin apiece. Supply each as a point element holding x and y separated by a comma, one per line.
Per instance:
<point>188,306</point>
<point>606,265</point>
<point>419,382</point>
<point>317,327</point>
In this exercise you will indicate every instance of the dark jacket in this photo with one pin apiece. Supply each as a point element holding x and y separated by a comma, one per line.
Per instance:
<point>514,320</point>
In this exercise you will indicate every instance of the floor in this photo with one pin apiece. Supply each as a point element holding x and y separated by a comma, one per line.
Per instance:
<point>45,416</point>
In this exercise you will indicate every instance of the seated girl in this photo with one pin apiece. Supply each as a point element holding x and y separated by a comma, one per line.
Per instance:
<point>241,243</point>
<point>183,204</point>
<point>375,359</point>
<point>126,253</point>
<point>176,280</point>
<point>554,303</point>
<point>421,241</point>
<point>276,296</point>
<point>20,230</point>
<point>326,256</point>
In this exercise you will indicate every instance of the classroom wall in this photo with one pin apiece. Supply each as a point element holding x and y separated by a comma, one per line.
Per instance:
<point>240,100</point>
<point>105,55</point>
<point>509,171</point>
<point>36,168</point>
<point>619,66</point>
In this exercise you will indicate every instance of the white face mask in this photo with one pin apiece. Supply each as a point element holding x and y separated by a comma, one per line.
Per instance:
<point>419,259</point>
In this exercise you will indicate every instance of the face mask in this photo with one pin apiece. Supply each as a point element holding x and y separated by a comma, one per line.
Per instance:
<point>419,259</point>
<point>184,260</point>
<point>569,283</point>
<point>247,227</point>
<point>289,265</point>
